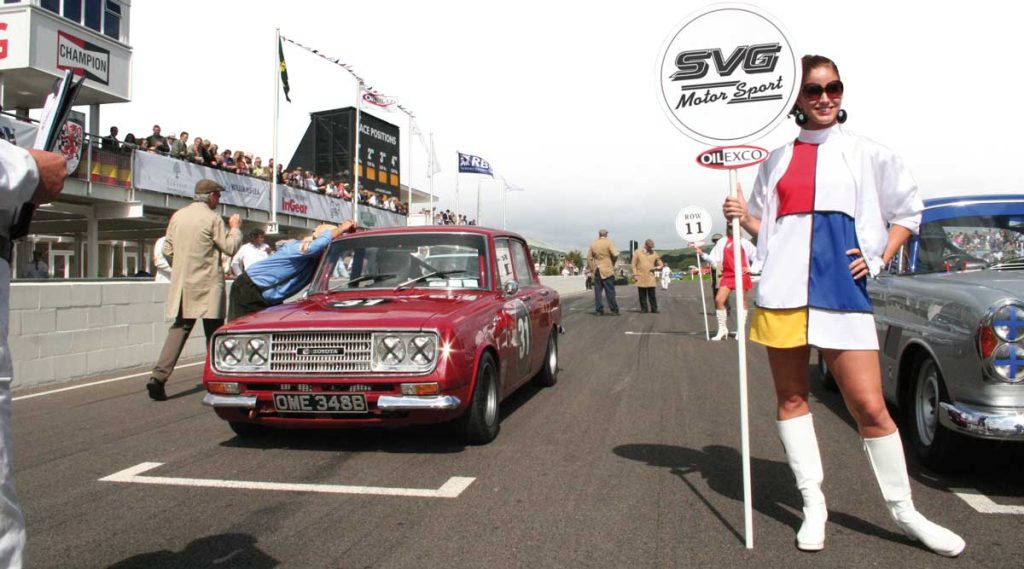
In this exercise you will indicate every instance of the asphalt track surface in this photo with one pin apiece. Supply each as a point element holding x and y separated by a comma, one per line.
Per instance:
<point>631,460</point>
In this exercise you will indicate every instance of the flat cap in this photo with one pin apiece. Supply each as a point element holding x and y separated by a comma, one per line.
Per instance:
<point>208,187</point>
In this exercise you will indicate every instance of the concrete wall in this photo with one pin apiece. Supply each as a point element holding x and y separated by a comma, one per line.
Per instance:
<point>62,331</point>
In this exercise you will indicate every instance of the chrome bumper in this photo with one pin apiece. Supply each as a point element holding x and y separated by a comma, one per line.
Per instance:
<point>243,401</point>
<point>983,424</point>
<point>412,403</point>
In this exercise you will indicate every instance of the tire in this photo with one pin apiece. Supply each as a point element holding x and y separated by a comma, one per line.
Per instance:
<point>935,445</point>
<point>548,374</point>
<point>480,423</point>
<point>248,430</point>
<point>828,381</point>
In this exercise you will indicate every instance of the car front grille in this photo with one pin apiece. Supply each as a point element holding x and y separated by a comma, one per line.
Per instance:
<point>320,352</point>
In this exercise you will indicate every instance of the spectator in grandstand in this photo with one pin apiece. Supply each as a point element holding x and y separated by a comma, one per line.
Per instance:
<point>129,143</point>
<point>255,250</point>
<point>110,142</point>
<point>156,141</point>
<point>258,171</point>
<point>227,161</point>
<point>241,166</point>
<point>179,148</point>
<point>195,151</point>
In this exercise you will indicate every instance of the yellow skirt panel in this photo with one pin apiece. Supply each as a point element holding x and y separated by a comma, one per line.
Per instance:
<point>779,328</point>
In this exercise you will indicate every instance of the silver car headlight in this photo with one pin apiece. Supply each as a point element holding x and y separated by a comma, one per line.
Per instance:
<point>413,352</point>
<point>1008,362</point>
<point>1008,322</point>
<point>241,352</point>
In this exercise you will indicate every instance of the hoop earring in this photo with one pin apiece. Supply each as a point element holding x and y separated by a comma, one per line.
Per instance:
<point>801,118</point>
<point>841,117</point>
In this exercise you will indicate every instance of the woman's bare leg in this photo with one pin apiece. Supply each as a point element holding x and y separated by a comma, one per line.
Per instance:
<point>859,377</point>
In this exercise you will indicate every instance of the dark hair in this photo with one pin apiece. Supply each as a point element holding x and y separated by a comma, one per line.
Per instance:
<point>814,61</point>
<point>256,233</point>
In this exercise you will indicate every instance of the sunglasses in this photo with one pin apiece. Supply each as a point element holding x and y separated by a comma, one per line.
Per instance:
<point>813,90</point>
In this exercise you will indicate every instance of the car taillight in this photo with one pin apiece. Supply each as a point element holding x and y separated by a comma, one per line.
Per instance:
<point>987,341</point>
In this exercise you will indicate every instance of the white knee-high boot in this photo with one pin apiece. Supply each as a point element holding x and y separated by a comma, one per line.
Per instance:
<point>886,457</point>
<point>801,446</point>
<point>723,325</point>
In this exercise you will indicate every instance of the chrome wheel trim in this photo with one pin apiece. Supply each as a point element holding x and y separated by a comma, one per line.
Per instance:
<point>926,403</point>
<point>491,405</point>
<point>553,355</point>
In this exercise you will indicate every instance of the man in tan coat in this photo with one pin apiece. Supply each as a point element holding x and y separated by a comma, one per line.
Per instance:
<point>196,238</point>
<point>645,262</point>
<point>601,261</point>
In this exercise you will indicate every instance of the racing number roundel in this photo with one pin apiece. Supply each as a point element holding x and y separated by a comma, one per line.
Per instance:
<point>521,329</point>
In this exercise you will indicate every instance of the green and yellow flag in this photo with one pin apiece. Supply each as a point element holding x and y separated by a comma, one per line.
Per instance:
<point>284,69</point>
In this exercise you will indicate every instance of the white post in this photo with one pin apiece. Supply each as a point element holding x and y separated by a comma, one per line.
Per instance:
<point>504,206</point>
<point>355,155</point>
<point>431,171</point>
<point>272,226</point>
<point>741,341</point>
<point>703,304</point>
<point>478,182</point>
<point>409,183</point>
<point>457,202</point>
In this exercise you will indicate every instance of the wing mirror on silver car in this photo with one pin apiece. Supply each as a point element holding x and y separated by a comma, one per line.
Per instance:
<point>510,288</point>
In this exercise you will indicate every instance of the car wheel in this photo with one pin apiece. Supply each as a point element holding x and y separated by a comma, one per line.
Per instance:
<point>933,444</point>
<point>828,381</point>
<point>548,374</point>
<point>248,429</point>
<point>480,423</point>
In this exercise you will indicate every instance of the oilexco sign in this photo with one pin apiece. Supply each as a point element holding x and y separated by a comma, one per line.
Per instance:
<point>728,75</point>
<point>732,157</point>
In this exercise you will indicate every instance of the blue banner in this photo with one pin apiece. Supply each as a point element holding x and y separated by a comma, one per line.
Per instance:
<point>469,164</point>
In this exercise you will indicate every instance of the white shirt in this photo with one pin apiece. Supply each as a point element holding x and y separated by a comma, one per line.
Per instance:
<point>163,268</point>
<point>247,255</point>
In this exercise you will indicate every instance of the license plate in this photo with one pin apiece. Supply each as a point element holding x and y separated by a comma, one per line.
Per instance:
<point>319,403</point>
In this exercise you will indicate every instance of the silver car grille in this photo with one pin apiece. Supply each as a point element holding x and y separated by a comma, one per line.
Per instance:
<point>311,352</point>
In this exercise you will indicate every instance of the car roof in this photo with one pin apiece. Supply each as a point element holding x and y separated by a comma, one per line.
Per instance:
<point>453,229</point>
<point>987,205</point>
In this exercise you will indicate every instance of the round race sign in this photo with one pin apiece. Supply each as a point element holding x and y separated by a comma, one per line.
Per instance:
<point>693,224</point>
<point>728,75</point>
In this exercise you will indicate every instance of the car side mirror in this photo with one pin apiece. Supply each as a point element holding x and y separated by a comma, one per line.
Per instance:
<point>511,288</point>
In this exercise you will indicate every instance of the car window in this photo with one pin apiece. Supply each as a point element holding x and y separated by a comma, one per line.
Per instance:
<point>504,261</point>
<point>967,243</point>
<point>439,260</point>
<point>523,273</point>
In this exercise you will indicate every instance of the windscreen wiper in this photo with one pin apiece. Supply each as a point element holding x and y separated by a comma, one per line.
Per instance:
<point>357,280</point>
<point>427,276</point>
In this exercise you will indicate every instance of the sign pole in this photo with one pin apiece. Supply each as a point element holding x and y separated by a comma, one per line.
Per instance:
<point>272,227</point>
<point>741,341</point>
<point>703,304</point>
<point>355,154</point>
<point>431,172</point>
<point>457,204</point>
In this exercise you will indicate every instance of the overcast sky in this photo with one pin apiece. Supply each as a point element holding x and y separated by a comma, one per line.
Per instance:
<point>561,97</point>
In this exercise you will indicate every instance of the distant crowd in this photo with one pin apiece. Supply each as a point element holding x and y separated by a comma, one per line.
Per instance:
<point>207,153</point>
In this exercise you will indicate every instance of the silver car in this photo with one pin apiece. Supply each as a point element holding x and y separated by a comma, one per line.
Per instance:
<point>950,320</point>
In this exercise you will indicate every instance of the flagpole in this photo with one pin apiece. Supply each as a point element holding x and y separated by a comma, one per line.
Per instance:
<point>504,204</point>
<point>355,155</point>
<point>272,225</point>
<point>478,182</point>
<point>457,203</point>
<point>430,172</point>
<point>409,184</point>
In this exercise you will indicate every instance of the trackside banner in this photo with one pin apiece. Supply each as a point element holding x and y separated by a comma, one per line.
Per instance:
<point>171,176</point>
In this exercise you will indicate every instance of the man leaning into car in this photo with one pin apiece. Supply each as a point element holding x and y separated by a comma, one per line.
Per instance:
<point>273,280</point>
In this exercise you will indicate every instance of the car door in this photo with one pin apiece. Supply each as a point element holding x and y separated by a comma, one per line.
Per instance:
<point>514,340</point>
<point>533,297</point>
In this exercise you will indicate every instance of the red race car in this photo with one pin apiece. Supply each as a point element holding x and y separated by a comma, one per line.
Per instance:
<point>399,326</point>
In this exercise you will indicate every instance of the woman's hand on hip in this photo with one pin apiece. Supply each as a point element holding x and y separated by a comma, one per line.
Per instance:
<point>859,267</point>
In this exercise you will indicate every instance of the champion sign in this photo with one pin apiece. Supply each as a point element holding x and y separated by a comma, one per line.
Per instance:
<point>732,157</point>
<point>728,75</point>
<point>83,58</point>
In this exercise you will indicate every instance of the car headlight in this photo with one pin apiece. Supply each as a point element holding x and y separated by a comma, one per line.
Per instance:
<point>1008,362</point>
<point>404,351</point>
<point>1008,322</point>
<point>241,352</point>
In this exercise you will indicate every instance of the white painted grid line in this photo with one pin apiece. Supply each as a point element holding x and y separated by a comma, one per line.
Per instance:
<point>100,382</point>
<point>450,489</point>
<point>985,505</point>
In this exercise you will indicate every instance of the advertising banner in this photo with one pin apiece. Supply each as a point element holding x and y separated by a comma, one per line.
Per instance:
<point>169,175</point>
<point>17,132</point>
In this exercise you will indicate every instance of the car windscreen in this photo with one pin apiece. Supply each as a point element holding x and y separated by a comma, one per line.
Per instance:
<point>409,260</point>
<point>968,243</point>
